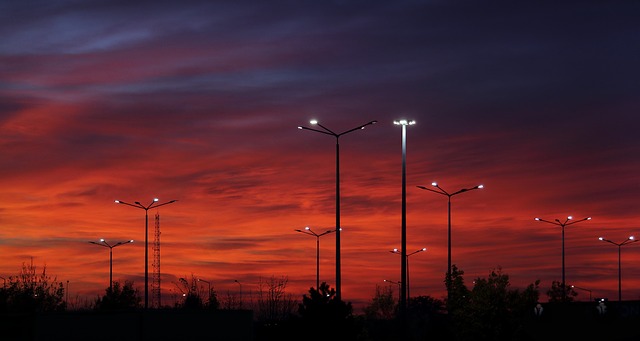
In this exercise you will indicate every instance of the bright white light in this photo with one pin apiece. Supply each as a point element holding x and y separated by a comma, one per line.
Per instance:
<point>313,121</point>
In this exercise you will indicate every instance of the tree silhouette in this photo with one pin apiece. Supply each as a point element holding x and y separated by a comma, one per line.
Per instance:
<point>492,311</point>
<point>32,292</point>
<point>273,302</point>
<point>324,315</point>
<point>555,294</point>
<point>383,305</point>
<point>119,297</point>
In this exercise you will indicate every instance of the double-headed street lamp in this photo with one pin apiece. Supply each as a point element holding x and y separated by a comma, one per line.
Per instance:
<point>567,222</point>
<point>153,204</point>
<point>440,190</point>
<point>328,131</point>
<point>307,230</point>
<point>396,251</point>
<point>628,241</point>
<point>106,244</point>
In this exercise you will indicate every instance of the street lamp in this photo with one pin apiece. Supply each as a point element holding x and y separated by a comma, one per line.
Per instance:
<point>563,225</point>
<point>235,280</point>
<point>307,230</point>
<point>209,286</point>
<point>105,244</point>
<point>328,131</point>
<point>573,286</point>
<point>153,204</point>
<point>403,264</point>
<point>440,190</point>
<point>396,251</point>
<point>629,240</point>
<point>396,283</point>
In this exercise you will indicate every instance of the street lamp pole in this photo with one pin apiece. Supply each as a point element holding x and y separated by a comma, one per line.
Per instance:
<point>153,204</point>
<point>629,240</point>
<point>403,264</point>
<point>209,286</point>
<point>240,284</point>
<point>328,131</point>
<point>106,244</point>
<point>407,260</point>
<point>396,283</point>
<point>440,190</point>
<point>307,230</point>
<point>567,222</point>
<point>573,286</point>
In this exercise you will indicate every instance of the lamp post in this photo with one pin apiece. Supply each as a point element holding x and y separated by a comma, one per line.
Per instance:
<point>407,260</point>
<point>567,222</point>
<point>396,283</point>
<point>153,204</point>
<point>328,131</point>
<point>307,230</point>
<point>628,241</point>
<point>403,264</point>
<point>240,284</point>
<point>440,190</point>
<point>573,286</point>
<point>105,244</point>
<point>209,286</point>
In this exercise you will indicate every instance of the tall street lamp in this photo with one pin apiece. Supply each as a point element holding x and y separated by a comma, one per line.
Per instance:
<point>440,190</point>
<point>307,230</point>
<point>328,131</point>
<point>403,264</point>
<point>240,284</point>
<point>396,283</point>
<point>209,286</point>
<point>153,204</point>
<point>106,244</point>
<point>407,260</point>
<point>628,241</point>
<point>567,222</point>
<point>573,286</point>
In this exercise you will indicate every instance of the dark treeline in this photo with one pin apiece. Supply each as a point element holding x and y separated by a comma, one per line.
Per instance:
<point>489,310</point>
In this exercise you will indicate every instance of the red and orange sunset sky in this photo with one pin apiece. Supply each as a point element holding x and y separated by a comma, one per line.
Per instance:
<point>199,102</point>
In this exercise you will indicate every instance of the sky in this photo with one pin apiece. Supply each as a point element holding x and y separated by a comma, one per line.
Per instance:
<point>200,102</point>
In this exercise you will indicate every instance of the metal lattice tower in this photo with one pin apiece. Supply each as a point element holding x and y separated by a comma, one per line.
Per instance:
<point>155,282</point>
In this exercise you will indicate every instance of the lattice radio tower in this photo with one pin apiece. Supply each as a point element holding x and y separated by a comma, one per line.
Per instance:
<point>155,282</point>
